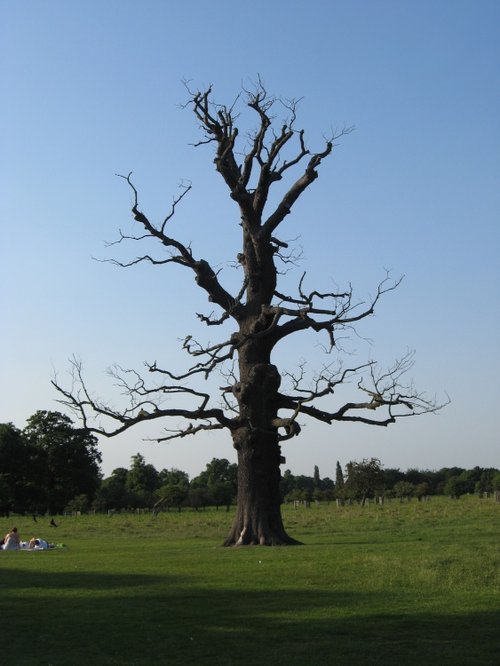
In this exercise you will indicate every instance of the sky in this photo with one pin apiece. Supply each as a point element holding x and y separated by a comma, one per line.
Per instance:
<point>94,89</point>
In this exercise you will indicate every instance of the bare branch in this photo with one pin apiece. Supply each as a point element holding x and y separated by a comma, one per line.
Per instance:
<point>144,404</point>
<point>210,321</point>
<point>206,278</point>
<point>190,430</point>
<point>386,393</point>
<point>215,359</point>
<point>342,314</point>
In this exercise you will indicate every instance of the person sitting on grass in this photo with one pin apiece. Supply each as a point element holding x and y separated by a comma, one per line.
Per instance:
<point>11,540</point>
<point>38,544</point>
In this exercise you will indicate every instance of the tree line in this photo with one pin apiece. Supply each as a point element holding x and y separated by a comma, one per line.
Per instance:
<point>53,467</point>
<point>368,479</point>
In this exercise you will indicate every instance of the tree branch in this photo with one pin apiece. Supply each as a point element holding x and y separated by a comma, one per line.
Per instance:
<point>206,278</point>
<point>79,400</point>
<point>386,393</point>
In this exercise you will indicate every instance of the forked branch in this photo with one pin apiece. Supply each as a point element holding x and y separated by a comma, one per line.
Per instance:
<point>143,404</point>
<point>385,392</point>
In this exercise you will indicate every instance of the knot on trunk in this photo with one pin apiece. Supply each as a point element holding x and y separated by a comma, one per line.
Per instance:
<point>266,376</point>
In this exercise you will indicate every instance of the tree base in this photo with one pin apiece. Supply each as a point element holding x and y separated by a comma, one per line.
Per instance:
<point>262,542</point>
<point>248,536</point>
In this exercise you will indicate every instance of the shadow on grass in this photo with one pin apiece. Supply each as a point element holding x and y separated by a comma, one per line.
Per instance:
<point>85,581</point>
<point>141,619</point>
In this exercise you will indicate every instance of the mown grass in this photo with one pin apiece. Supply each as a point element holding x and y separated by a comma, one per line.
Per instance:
<point>403,583</point>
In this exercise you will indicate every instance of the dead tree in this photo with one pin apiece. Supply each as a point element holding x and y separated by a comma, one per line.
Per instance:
<point>255,408</point>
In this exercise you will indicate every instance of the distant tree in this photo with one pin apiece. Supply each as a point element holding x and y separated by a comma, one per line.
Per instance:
<point>392,476</point>
<point>142,475</point>
<point>415,476</point>
<point>455,486</point>
<point>435,481</point>
<point>339,482</point>
<point>221,493</point>
<point>364,479</point>
<point>68,458</point>
<point>173,477</point>
<point>174,489</point>
<point>316,477</point>
<point>287,483</point>
<point>198,497</point>
<point>78,504</point>
<point>469,478</point>
<point>113,492</point>
<point>473,475</point>
<point>300,495</point>
<point>265,167</point>
<point>21,468</point>
<point>220,480</point>
<point>220,470</point>
<point>327,484</point>
<point>322,495</point>
<point>485,482</point>
<point>305,482</point>
<point>5,495</point>
<point>11,475</point>
<point>172,495</point>
<point>448,472</point>
<point>142,481</point>
<point>421,490</point>
<point>404,490</point>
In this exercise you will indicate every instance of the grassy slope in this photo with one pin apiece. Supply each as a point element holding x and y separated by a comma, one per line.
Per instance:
<point>408,583</point>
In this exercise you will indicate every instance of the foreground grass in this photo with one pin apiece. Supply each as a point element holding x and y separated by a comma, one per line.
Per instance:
<point>408,583</point>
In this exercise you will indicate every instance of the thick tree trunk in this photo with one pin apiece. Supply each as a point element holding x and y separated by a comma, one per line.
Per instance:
<point>258,518</point>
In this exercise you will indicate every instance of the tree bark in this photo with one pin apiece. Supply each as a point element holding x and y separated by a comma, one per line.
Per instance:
<point>258,518</point>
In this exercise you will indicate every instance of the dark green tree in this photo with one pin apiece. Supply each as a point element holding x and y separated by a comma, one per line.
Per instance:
<point>339,482</point>
<point>456,486</point>
<point>113,492</point>
<point>68,458</point>
<point>364,479</point>
<point>172,495</point>
<point>421,490</point>
<point>12,474</point>
<point>287,483</point>
<point>221,493</point>
<point>485,482</point>
<point>173,477</point>
<point>198,497</point>
<point>220,470</point>
<point>316,477</point>
<point>404,490</point>
<point>142,482</point>
<point>173,490</point>
<point>392,476</point>
<point>79,504</point>
<point>220,481</point>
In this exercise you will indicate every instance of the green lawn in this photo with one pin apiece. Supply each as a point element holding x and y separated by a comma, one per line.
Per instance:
<point>413,583</point>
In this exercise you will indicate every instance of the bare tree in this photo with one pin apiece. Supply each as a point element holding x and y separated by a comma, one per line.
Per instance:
<point>253,405</point>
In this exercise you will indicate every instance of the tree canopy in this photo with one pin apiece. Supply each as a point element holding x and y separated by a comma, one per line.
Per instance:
<point>47,464</point>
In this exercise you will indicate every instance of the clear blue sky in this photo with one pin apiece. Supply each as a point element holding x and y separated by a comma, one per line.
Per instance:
<point>93,89</point>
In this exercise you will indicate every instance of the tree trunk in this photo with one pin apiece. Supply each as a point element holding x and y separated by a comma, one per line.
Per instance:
<point>258,518</point>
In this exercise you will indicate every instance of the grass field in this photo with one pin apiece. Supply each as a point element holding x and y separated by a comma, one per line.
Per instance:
<point>413,583</point>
